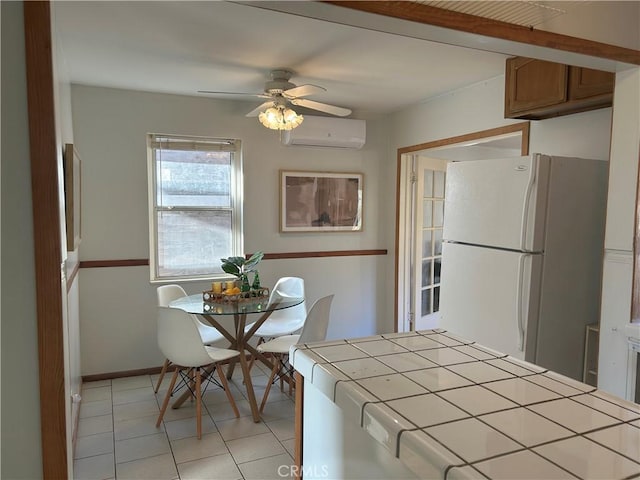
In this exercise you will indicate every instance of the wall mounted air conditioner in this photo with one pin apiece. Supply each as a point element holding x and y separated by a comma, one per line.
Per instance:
<point>327,132</point>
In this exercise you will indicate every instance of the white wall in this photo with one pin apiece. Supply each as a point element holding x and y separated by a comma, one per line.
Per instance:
<point>117,305</point>
<point>477,107</point>
<point>481,106</point>
<point>21,451</point>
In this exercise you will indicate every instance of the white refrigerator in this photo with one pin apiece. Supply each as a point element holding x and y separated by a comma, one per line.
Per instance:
<point>522,255</point>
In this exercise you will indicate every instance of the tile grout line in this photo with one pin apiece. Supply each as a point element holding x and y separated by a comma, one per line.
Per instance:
<point>166,434</point>
<point>207,412</point>
<point>113,431</point>
<point>272,432</point>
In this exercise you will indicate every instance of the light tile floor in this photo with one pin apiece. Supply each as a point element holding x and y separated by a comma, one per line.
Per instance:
<point>117,436</point>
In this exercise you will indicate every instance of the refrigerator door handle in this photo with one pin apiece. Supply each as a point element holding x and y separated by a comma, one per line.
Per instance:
<point>525,227</point>
<point>519,302</point>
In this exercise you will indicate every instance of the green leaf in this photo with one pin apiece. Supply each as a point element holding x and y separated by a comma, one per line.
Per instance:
<point>239,261</point>
<point>251,264</point>
<point>231,269</point>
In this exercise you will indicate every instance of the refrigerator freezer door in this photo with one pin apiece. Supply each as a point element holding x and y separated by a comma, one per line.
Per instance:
<point>497,203</point>
<point>490,296</point>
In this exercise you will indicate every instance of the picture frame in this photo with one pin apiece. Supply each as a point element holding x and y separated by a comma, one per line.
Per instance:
<point>320,201</point>
<point>72,195</point>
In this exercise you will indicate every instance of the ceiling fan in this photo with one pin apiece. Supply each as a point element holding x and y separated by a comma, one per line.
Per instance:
<point>280,92</point>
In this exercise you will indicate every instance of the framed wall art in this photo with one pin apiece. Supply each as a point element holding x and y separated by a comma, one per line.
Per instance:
<point>72,193</point>
<point>320,201</point>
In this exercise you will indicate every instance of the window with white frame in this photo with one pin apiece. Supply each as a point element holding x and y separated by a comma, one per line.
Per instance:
<point>195,205</point>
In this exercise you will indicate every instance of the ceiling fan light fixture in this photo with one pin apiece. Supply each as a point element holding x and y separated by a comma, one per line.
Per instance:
<point>280,118</point>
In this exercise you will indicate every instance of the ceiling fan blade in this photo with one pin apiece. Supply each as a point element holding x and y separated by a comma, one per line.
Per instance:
<point>322,107</point>
<point>303,91</point>
<point>258,109</point>
<point>261,95</point>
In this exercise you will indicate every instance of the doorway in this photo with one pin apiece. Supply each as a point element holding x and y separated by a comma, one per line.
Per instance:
<point>421,203</point>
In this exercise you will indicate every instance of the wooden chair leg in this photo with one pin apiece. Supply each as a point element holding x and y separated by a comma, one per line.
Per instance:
<point>253,357</point>
<point>198,403</point>
<point>192,382</point>
<point>274,372</point>
<point>165,366</point>
<point>225,385</point>
<point>232,366</point>
<point>290,385</point>
<point>167,397</point>
<point>290,377</point>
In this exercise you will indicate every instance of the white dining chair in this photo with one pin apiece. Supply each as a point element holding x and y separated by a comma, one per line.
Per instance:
<point>166,295</point>
<point>180,342</point>
<point>314,330</point>
<point>288,320</point>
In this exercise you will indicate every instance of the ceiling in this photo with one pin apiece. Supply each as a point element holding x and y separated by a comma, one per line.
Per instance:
<point>182,47</point>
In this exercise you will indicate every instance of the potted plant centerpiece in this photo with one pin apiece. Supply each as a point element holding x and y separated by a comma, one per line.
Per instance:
<point>239,267</point>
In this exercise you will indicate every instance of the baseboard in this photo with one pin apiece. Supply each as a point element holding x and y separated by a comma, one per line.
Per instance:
<point>74,422</point>
<point>126,373</point>
<point>132,373</point>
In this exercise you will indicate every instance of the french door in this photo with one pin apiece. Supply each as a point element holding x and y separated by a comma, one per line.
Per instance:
<point>426,252</point>
<point>421,213</point>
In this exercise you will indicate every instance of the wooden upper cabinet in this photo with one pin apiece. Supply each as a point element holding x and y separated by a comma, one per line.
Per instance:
<point>536,89</point>
<point>533,84</point>
<point>586,82</point>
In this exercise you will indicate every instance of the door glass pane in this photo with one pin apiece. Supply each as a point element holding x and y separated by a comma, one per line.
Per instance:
<point>438,184</point>
<point>427,213</point>
<point>436,299</point>
<point>438,213</point>
<point>436,269</point>
<point>426,302</point>
<point>427,244</point>
<point>437,240</point>
<point>428,183</point>
<point>426,273</point>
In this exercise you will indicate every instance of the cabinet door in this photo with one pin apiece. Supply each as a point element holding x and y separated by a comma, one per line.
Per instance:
<point>532,84</point>
<point>585,83</point>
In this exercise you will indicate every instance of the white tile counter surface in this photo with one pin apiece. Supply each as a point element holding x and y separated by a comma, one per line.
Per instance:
<point>433,399</point>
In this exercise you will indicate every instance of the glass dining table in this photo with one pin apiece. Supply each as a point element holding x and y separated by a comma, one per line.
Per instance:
<point>218,315</point>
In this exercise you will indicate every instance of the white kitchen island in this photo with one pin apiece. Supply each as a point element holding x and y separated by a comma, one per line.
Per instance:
<point>431,405</point>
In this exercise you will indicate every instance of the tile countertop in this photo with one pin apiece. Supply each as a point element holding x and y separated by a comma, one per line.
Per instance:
<point>432,398</point>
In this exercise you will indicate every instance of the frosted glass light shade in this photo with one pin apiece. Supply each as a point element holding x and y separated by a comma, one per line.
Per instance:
<point>280,118</point>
